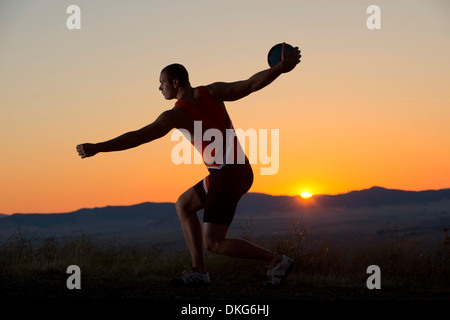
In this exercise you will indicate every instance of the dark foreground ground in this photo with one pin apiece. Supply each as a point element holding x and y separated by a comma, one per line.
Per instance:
<point>54,287</point>
<point>123,281</point>
<point>49,293</point>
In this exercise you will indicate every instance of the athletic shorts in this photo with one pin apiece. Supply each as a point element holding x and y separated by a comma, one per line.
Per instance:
<point>221,191</point>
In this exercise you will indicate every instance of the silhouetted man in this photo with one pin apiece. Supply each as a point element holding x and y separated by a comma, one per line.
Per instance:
<point>218,194</point>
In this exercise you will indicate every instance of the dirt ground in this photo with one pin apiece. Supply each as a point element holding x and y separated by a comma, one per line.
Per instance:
<point>46,293</point>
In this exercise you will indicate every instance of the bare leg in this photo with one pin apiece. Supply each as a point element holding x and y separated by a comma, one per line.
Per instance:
<point>215,242</point>
<point>187,206</point>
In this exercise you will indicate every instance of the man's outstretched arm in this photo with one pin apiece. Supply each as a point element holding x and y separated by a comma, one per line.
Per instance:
<point>159,128</point>
<point>240,89</point>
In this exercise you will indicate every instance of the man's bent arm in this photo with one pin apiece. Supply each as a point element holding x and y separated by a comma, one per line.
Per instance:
<point>240,89</point>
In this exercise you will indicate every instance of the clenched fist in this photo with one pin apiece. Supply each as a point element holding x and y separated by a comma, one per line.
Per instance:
<point>86,150</point>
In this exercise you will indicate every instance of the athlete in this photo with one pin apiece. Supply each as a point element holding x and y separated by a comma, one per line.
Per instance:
<point>219,193</point>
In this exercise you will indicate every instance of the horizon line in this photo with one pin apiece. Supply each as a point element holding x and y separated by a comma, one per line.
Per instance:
<point>264,193</point>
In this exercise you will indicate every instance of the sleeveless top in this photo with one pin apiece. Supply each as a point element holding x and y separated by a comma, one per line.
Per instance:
<point>219,146</point>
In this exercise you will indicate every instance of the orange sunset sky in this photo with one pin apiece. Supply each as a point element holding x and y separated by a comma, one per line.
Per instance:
<point>364,107</point>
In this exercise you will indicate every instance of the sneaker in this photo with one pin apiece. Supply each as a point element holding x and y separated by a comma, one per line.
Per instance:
<point>191,277</point>
<point>279,272</point>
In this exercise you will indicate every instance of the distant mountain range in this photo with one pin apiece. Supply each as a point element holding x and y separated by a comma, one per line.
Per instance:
<point>372,212</point>
<point>377,196</point>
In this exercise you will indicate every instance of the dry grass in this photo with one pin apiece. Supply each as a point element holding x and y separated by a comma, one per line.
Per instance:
<point>405,263</point>
<point>37,252</point>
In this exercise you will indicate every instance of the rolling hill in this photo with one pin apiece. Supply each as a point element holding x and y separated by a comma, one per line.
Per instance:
<point>373,212</point>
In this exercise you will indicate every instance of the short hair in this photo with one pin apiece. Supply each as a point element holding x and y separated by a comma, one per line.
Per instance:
<point>177,71</point>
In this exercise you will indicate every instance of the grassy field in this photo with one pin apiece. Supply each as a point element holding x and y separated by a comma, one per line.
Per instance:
<point>33,266</point>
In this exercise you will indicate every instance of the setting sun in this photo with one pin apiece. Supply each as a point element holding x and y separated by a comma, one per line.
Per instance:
<point>305,195</point>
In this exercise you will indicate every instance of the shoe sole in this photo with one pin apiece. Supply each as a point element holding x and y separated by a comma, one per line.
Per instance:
<point>270,285</point>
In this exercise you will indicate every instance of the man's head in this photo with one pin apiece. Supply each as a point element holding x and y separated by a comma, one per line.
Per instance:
<point>172,78</point>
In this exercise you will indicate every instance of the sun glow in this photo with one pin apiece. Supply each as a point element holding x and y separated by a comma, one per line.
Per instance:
<point>306,195</point>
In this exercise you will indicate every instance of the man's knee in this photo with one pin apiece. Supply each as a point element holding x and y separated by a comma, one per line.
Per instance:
<point>214,237</point>
<point>188,203</point>
<point>212,245</point>
<point>182,206</point>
